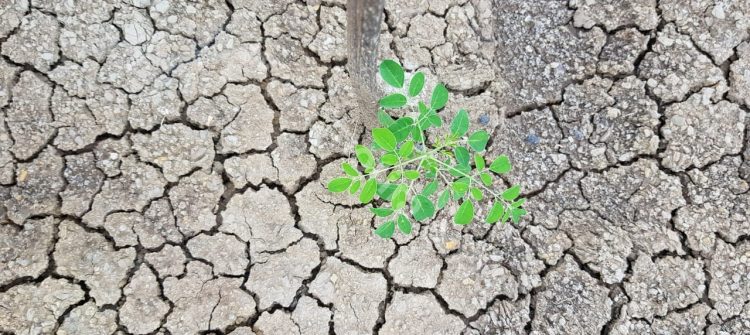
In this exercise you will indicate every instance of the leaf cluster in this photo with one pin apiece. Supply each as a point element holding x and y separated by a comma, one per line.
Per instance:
<point>411,173</point>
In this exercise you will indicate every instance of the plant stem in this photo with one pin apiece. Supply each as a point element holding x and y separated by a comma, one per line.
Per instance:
<point>471,179</point>
<point>426,154</point>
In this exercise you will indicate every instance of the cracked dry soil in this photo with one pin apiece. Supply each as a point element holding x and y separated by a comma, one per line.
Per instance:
<point>162,166</point>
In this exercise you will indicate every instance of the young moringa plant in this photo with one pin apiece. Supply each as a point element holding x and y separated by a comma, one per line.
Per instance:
<point>414,172</point>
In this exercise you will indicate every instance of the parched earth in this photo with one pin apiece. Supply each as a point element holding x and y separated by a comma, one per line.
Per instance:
<point>162,169</point>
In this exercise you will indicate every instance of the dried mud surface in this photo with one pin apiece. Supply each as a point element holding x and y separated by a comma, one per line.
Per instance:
<point>162,169</point>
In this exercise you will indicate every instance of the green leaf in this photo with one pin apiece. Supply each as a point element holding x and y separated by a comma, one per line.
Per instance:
<point>462,156</point>
<point>476,193</point>
<point>516,214</point>
<point>385,191</point>
<point>460,123</point>
<point>349,170</point>
<point>486,178</point>
<point>459,170</point>
<point>381,212</point>
<point>505,217</point>
<point>422,208</point>
<point>478,140</point>
<point>392,101</point>
<point>392,73</point>
<point>443,199</point>
<point>404,225</point>
<point>399,197</point>
<point>385,119</point>
<point>416,83</point>
<point>436,121</point>
<point>460,187</point>
<point>430,188</point>
<point>518,203</point>
<point>512,193</point>
<point>355,186</point>
<point>423,109</point>
<point>479,162</point>
<point>439,97</point>
<point>411,174</point>
<point>389,159</point>
<point>430,172</point>
<point>368,191</point>
<point>402,128</point>
<point>364,156</point>
<point>386,229</point>
<point>384,138</point>
<point>416,134</point>
<point>424,115</point>
<point>465,213</point>
<point>430,168</point>
<point>406,149</point>
<point>496,212</point>
<point>394,175</point>
<point>339,184</point>
<point>501,164</point>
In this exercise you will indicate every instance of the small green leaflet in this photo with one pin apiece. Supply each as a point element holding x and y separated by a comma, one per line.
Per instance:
<point>411,174</point>
<point>394,175</point>
<point>404,225</point>
<point>401,128</point>
<point>465,213</point>
<point>389,159</point>
<point>516,214</point>
<point>512,193</point>
<point>478,140</point>
<point>395,100</point>
<point>460,123</point>
<point>384,138</point>
<point>349,170</point>
<point>505,217</point>
<point>443,199</point>
<point>430,168</point>
<point>364,156</point>
<point>460,170</point>
<point>424,115</point>
<point>406,149</point>
<point>430,188</point>
<point>479,161</point>
<point>477,194</point>
<point>501,164</point>
<point>385,191</point>
<point>386,229</point>
<point>460,187</point>
<point>416,84</point>
<point>368,191</point>
<point>439,97</point>
<point>339,184</point>
<point>462,156</point>
<point>518,203</point>
<point>486,178</point>
<point>495,213</point>
<point>355,186</point>
<point>381,212</point>
<point>385,119</point>
<point>436,120</point>
<point>392,73</point>
<point>416,133</point>
<point>399,197</point>
<point>422,208</point>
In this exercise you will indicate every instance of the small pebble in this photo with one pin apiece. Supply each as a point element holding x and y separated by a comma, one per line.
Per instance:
<point>484,119</point>
<point>532,139</point>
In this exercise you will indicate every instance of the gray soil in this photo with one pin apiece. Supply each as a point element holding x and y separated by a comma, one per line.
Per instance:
<point>163,167</point>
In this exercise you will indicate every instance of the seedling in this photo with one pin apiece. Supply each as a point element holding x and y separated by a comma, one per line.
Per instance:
<point>415,172</point>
